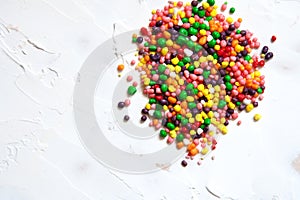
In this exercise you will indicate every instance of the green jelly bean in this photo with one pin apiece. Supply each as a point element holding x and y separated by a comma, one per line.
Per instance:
<point>238,31</point>
<point>182,95</point>
<point>189,86</point>
<point>202,126</point>
<point>232,10</point>
<point>192,105</point>
<point>228,86</point>
<point>131,90</point>
<point>153,72</point>
<point>227,78</point>
<point>195,10</point>
<point>164,87</point>
<point>221,104</point>
<point>163,133</point>
<point>186,60</point>
<point>207,121</point>
<point>162,68</point>
<point>208,18</point>
<point>215,35</point>
<point>161,42</point>
<point>196,25</point>
<point>238,103</point>
<point>191,68</point>
<point>198,48</point>
<point>146,44</point>
<point>179,117</point>
<point>195,91</point>
<point>185,20</point>
<point>157,114</point>
<point>215,55</point>
<point>247,57</point>
<point>152,101</point>
<point>152,48</point>
<point>163,77</point>
<point>181,40</point>
<point>259,91</point>
<point>152,83</point>
<point>193,31</point>
<point>207,27</point>
<point>190,44</point>
<point>201,13</point>
<point>134,40</point>
<point>184,121</point>
<point>206,74</point>
<point>179,137</point>
<point>211,2</point>
<point>203,26</point>
<point>181,64</point>
<point>212,43</point>
<point>183,31</point>
<point>170,126</point>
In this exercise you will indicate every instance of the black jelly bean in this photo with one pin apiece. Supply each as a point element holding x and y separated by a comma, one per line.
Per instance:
<point>269,56</point>
<point>121,104</point>
<point>265,50</point>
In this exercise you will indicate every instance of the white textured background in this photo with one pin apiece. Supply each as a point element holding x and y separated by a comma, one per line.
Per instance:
<point>43,45</point>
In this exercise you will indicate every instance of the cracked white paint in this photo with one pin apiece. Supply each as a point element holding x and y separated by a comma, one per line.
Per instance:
<point>43,45</point>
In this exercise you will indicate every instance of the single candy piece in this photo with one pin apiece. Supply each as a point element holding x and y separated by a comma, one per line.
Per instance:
<point>232,10</point>
<point>268,56</point>
<point>126,118</point>
<point>131,90</point>
<point>121,67</point>
<point>273,38</point>
<point>257,117</point>
<point>143,118</point>
<point>161,42</point>
<point>121,104</point>
<point>184,163</point>
<point>163,133</point>
<point>211,2</point>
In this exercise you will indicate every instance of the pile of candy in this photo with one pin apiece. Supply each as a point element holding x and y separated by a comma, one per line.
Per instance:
<point>198,71</point>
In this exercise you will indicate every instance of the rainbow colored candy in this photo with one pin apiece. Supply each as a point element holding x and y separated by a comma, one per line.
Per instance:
<point>198,71</point>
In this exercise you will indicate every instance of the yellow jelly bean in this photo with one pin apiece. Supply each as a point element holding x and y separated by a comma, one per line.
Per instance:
<point>177,108</point>
<point>164,51</point>
<point>177,69</point>
<point>198,117</point>
<point>204,151</point>
<point>169,43</point>
<point>249,107</point>
<point>192,20</point>
<point>148,106</point>
<point>229,20</point>
<point>192,120</point>
<point>175,61</point>
<point>190,98</point>
<point>202,32</point>
<point>205,5</point>
<point>173,134</point>
<point>257,117</point>
<point>189,115</point>
<point>192,132</point>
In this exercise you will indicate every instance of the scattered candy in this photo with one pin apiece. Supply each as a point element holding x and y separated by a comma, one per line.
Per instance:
<point>257,117</point>
<point>121,104</point>
<point>126,118</point>
<point>184,163</point>
<point>121,67</point>
<point>198,69</point>
<point>129,78</point>
<point>131,90</point>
